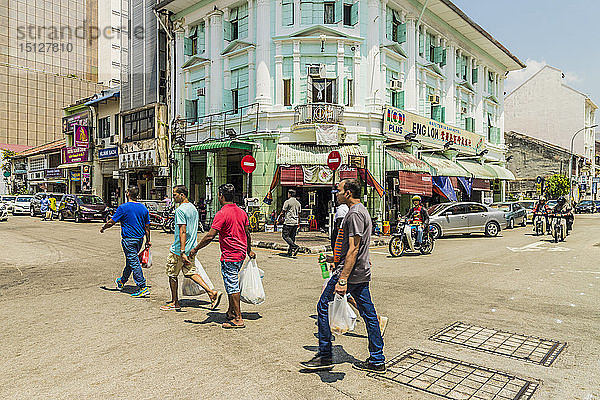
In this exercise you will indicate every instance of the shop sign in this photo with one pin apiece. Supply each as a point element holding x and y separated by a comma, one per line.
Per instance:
<point>53,173</point>
<point>74,176</point>
<point>110,152</point>
<point>137,159</point>
<point>357,161</point>
<point>70,122</point>
<point>86,178</point>
<point>74,154</point>
<point>20,171</point>
<point>397,123</point>
<point>81,136</point>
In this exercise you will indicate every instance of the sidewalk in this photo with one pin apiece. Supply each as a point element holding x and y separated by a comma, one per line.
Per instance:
<point>309,242</point>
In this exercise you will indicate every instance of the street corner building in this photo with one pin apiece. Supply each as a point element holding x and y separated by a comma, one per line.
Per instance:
<point>410,93</point>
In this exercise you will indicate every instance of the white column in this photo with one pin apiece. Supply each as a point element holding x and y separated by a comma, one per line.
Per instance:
<point>297,74</point>
<point>450,99</point>
<point>501,108</point>
<point>226,84</point>
<point>251,75</point>
<point>340,72</point>
<point>251,23</point>
<point>359,98</point>
<point>179,95</point>
<point>411,94</point>
<point>479,112</point>
<point>263,54</point>
<point>216,70</point>
<point>373,55</point>
<point>278,76</point>
<point>207,68</point>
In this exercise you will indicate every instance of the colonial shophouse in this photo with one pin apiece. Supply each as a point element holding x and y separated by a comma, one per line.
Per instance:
<point>409,92</point>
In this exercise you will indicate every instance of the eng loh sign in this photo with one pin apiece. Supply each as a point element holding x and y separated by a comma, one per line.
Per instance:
<point>397,123</point>
<point>73,155</point>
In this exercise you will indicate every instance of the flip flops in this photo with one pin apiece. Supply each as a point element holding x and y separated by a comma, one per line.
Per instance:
<point>231,325</point>
<point>169,307</point>
<point>215,303</point>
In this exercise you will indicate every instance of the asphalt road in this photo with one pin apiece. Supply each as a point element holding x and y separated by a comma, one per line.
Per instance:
<point>66,333</point>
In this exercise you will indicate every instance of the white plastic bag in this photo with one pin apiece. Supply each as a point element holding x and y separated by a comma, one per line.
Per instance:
<point>251,288</point>
<point>352,316</point>
<point>191,288</point>
<point>339,317</point>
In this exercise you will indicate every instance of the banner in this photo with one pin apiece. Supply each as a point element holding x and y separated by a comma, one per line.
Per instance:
<point>86,179</point>
<point>443,186</point>
<point>110,152</point>
<point>467,184</point>
<point>318,174</point>
<point>74,154</point>
<point>53,173</point>
<point>397,123</point>
<point>81,137</point>
<point>327,135</point>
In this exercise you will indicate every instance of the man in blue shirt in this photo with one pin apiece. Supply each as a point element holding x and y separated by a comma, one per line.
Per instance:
<point>179,259</point>
<point>135,224</point>
<point>45,208</point>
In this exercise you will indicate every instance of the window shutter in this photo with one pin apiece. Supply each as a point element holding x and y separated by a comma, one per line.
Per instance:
<point>227,31</point>
<point>389,18</point>
<point>435,113</point>
<point>400,99</point>
<point>427,46</point>
<point>443,61</point>
<point>287,13</point>
<point>193,31</point>
<point>354,14</point>
<point>401,33</point>
<point>187,46</point>
<point>421,43</point>
<point>338,13</point>
<point>474,75</point>
<point>188,109</point>
<point>443,115</point>
<point>458,66</point>
<point>437,54</point>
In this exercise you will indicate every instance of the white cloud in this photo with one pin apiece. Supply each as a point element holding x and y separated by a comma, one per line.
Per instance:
<point>515,78</point>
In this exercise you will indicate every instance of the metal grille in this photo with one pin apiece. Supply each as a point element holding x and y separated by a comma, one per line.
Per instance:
<point>521,347</point>
<point>453,379</point>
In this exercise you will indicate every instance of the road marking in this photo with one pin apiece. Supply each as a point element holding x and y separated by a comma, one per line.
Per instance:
<point>537,246</point>
<point>485,263</point>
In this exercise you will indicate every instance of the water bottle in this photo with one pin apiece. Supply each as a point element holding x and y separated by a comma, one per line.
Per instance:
<point>323,265</point>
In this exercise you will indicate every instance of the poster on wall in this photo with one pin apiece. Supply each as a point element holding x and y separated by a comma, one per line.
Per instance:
<point>81,136</point>
<point>86,180</point>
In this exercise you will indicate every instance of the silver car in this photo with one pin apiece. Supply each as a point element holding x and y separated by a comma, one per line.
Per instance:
<point>9,201</point>
<point>468,217</point>
<point>22,204</point>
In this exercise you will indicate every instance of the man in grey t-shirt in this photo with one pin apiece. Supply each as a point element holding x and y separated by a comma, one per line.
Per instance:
<point>291,213</point>
<point>352,274</point>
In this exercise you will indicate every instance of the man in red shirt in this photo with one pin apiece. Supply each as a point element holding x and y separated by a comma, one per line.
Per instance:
<point>231,223</point>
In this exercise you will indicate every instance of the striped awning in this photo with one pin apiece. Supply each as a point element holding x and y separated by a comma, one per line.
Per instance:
<point>398,160</point>
<point>305,154</point>
<point>501,172</point>
<point>442,166</point>
<point>477,170</point>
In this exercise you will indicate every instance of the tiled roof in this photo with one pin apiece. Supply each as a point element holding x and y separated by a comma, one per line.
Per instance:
<point>45,148</point>
<point>14,147</point>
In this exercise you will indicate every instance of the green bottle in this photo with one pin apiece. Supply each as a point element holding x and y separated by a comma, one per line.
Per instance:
<point>323,265</point>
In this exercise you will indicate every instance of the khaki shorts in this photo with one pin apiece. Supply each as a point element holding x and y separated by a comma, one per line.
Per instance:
<point>175,265</point>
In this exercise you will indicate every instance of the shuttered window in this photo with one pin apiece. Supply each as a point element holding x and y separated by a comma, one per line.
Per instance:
<point>287,12</point>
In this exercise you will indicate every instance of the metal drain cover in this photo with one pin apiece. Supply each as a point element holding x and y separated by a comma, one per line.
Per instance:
<point>521,347</point>
<point>453,379</point>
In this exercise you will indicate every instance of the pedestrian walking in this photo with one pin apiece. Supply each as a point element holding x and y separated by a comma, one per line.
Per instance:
<point>340,213</point>
<point>352,275</point>
<point>291,221</point>
<point>180,259</point>
<point>135,225</point>
<point>231,223</point>
<point>45,208</point>
<point>52,207</point>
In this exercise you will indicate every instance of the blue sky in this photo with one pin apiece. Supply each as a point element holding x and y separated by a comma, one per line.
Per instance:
<point>560,33</point>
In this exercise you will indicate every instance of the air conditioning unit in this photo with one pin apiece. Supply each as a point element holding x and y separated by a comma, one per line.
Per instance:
<point>463,110</point>
<point>396,84</point>
<point>201,92</point>
<point>434,99</point>
<point>317,70</point>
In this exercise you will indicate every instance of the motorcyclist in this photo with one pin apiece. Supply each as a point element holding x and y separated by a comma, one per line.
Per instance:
<point>419,217</point>
<point>542,208</point>
<point>562,208</point>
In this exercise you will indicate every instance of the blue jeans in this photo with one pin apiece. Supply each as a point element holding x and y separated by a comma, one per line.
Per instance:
<point>131,248</point>
<point>362,296</point>
<point>231,275</point>
<point>419,234</point>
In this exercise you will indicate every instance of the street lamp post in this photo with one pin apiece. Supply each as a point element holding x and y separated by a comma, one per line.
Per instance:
<point>571,161</point>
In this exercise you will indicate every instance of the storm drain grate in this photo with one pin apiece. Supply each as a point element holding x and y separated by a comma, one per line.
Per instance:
<point>521,347</point>
<point>453,379</point>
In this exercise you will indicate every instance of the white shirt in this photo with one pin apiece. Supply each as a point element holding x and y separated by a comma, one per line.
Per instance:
<point>341,211</point>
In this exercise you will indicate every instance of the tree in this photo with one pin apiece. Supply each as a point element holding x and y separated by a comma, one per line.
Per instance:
<point>5,159</point>
<point>557,185</point>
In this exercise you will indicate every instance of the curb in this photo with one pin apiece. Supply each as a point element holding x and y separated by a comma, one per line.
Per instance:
<point>308,249</point>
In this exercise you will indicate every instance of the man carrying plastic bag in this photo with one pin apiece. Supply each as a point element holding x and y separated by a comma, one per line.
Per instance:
<point>251,288</point>
<point>352,274</point>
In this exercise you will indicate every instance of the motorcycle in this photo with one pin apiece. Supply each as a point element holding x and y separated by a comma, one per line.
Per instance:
<point>404,238</point>
<point>539,224</point>
<point>168,219</point>
<point>156,220</point>
<point>559,227</point>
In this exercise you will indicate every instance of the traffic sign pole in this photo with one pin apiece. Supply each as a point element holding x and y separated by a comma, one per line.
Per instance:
<point>248,166</point>
<point>334,159</point>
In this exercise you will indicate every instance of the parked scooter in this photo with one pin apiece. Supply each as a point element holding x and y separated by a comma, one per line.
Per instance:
<point>404,238</point>
<point>168,219</point>
<point>156,220</point>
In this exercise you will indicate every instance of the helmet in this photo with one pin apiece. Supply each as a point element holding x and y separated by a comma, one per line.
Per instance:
<point>542,199</point>
<point>416,198</point>
<point>561,200</point>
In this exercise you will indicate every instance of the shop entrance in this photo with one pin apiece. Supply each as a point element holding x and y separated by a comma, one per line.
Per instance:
<point>110,191</point>
<point>314,199</point>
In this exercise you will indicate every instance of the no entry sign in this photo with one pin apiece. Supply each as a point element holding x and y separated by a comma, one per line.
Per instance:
<point>334,159</point>
<point>248,164</point>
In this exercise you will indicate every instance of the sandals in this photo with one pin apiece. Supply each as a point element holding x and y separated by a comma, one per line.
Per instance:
<point>169,307</point>
<point>231,325</point>
<point>215,303</point>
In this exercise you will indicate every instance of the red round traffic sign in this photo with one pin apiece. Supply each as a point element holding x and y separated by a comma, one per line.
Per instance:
<point>334,159</point>
<point>248,164</point>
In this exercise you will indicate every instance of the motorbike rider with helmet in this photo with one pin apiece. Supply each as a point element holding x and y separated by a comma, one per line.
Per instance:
<point>542,208</point>
<point>419,217</point>
<point>562,208</point>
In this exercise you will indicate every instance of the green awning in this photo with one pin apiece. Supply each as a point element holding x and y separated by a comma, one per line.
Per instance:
<point>477,170</point>
<point>501,172</point>
<point>222,144</point>
<point>442,166</point>
<point>398,160</point>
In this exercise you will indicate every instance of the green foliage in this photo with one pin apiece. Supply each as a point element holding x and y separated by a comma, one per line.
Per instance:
<point>556,186</point>
<point>6,155</point>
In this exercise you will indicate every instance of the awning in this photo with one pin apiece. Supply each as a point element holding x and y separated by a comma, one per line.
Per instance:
<point>222,144</point>
<point>73,165</point>
<point>304,154</point>
<point>105,97</point>
<point>501,172</point>
<point>414,183</point>
<point>404,161</point>
<point>442,166</point>
<point>477,170</point>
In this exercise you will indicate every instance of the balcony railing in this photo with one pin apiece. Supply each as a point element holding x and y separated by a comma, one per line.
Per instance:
<point>320,113</point>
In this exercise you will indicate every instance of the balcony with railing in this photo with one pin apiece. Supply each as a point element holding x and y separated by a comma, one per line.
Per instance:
<point>318,113</point>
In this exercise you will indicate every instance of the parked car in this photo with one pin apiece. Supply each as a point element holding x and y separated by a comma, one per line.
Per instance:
<point>465,217</point>
<point>36,203</point>
<point>9,201</point>
<point>22,204</point>
<point>597,204</point>
<point>514,213</point>
<point>552,203</point>
<point>3,211</point>
<point>585,206</point>
<point>82,207</point>
<point>528,205</point>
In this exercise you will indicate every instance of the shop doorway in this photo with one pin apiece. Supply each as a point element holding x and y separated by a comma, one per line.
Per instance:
<point>315,200</point>
<point>110,191</point>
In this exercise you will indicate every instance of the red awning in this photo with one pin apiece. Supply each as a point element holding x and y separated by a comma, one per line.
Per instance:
<point>348,173</point>
<point>292,175</point>
<point>414,183</point>
<point>481,184</point>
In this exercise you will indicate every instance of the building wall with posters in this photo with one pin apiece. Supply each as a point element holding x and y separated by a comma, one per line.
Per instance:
<point>317,76</point>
